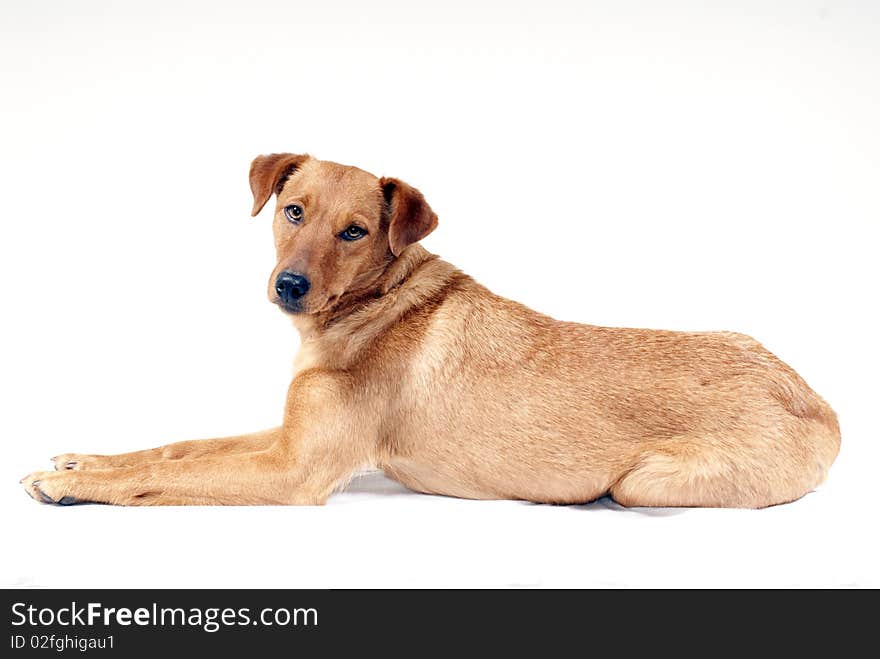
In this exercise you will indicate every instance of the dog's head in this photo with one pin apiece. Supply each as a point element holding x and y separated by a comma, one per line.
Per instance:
<point>337,228</point>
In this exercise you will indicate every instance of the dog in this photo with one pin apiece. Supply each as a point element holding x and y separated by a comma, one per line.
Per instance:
<point>408,365</point>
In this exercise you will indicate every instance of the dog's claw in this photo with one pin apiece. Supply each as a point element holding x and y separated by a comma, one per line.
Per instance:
<point>67,462</point>
<point>56,486</point>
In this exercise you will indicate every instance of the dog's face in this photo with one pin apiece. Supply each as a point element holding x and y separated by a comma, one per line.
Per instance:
<point>336,228</point>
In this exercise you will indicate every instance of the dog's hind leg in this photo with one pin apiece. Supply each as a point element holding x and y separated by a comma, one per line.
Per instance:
<point>765,467</point>
<point>683,477</point>
<point>185,450</point>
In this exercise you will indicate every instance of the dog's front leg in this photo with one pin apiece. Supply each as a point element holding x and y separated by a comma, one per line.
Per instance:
<point>324,440</point>
<point>186,450</point>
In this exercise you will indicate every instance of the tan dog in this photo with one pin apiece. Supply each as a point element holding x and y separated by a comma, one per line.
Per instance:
<point>410,366</point>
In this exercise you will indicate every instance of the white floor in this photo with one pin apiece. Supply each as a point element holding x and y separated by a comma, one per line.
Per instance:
<point>377,534</point>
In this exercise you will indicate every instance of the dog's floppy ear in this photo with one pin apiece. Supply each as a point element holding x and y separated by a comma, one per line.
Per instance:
<point>268,174</point>
<point>411,219</point>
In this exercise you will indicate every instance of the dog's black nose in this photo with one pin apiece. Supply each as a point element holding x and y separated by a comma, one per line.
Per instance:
<point>291,287</point>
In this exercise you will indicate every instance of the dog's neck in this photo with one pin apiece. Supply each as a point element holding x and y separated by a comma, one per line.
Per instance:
<point>333,337</point>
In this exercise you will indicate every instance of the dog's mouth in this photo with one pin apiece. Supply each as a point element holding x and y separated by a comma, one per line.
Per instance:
<point>299,307</point>
<point>295,308</point>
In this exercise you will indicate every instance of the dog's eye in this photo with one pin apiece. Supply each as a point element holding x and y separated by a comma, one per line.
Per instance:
<point>294,213</point>
<point>354,232</point>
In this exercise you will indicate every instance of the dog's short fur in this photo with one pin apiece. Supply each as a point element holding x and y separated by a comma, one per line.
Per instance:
<point>410,366</point>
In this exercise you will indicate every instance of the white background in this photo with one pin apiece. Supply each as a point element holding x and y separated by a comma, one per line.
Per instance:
<point>688,165</point>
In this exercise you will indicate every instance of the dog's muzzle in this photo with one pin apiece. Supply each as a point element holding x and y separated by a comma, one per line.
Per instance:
<point>291,288</point>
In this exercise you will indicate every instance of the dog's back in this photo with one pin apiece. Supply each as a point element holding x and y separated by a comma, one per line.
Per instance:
<point>534,408</point>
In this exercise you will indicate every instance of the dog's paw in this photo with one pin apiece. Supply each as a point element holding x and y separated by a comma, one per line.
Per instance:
<point>48,487</point>
<point>71,462</point>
